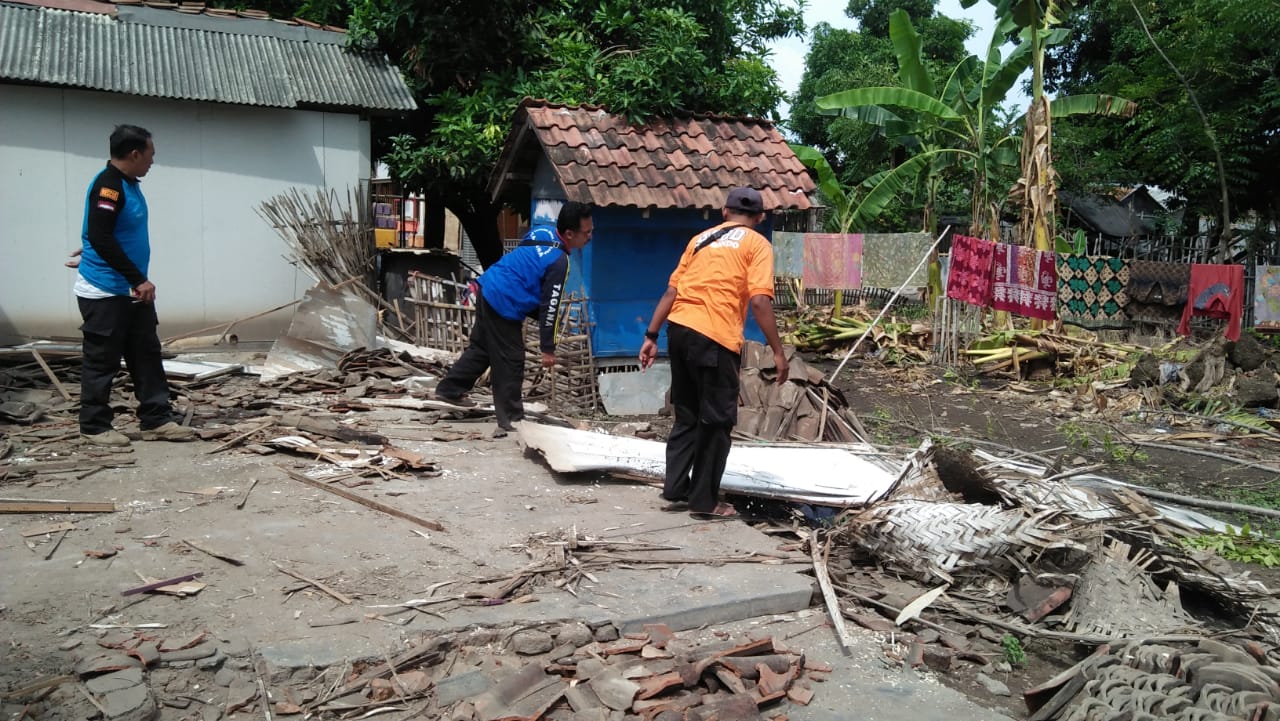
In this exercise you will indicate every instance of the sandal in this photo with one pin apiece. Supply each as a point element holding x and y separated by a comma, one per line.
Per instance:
<point>722,510</point>
<point>676,506</point>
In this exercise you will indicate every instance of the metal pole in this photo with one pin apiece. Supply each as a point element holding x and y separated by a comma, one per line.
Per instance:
<point>889,305</point>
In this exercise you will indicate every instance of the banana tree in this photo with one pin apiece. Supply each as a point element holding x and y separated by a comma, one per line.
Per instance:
<point>951,129</point>
<point>1036,189</point>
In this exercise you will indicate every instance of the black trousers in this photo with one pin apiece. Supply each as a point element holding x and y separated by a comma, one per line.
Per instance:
<point>704,394</point>
<point>498,345</point>
<point>116,328</point>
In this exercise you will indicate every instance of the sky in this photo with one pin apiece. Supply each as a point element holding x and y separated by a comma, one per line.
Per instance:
<point>788,55</point>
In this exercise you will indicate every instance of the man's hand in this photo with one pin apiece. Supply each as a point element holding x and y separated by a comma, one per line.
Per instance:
<point>648,353</point>
<point>780,360</point>
<point>548,360</point>
<point>145,293</point>
<point>74,261</point>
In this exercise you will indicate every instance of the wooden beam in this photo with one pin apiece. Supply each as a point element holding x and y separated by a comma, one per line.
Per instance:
<point>49,372</point>
<point>829,594</point>
<point>17,505</point>
<point>367,502</point>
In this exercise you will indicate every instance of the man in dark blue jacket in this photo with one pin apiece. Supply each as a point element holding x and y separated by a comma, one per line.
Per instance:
<point>528,282</point>
<point>117,300</point>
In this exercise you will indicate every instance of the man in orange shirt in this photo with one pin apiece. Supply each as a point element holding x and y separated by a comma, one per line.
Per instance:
<point>722,271</point>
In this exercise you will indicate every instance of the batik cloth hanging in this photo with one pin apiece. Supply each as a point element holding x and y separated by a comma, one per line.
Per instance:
<point>1092,291</point>
<point>832,260</point>
<point>1024,281</point>
<point>969,278</point>
<point>1266,297</point>
<point>890,260</point>
<point>788,254</point>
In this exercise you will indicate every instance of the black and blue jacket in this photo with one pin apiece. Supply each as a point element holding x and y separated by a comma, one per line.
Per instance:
<point>528,282</point>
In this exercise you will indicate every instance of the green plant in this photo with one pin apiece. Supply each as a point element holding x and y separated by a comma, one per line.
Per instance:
<point>1013,652</point>
<point>1077,435</point>
<point>1240,545</point>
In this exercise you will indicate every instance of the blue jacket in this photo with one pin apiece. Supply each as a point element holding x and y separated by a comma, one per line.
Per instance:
<point>530,280</point>
<point>117,249</point>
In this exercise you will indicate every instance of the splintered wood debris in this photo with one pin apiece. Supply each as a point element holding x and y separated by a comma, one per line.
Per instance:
<point>1024,551</point>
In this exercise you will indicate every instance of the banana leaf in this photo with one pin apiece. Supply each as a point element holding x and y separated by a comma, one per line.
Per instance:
<point>907,47</point>
<point>1108,105</point>
<point>843,101</point>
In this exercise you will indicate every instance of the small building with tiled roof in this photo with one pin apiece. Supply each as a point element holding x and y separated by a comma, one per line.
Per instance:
<point>653,186</point>
<point>241,106</point>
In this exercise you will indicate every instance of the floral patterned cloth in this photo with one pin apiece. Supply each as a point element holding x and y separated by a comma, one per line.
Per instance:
<point>1025,281</point>
<point>1091,291</point>
<point>1266,297</point>
<point>969,279</point>
<point>889,259</point>
<point>832,260</point>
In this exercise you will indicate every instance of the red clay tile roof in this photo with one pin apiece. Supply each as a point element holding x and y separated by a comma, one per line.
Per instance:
<point>689,162</point>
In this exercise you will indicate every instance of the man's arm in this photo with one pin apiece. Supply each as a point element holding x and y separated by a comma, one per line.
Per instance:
<point>106,200</point>
<point>649,350</point>
<point>762,307</point>
<point>760,288</point>
<point>549,308</point>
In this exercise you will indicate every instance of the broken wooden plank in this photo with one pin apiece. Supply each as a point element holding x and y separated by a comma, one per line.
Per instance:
<point>341,598</point>
<point>161,584</point>
<point>47,529</point>
<point>428,653</point>
<point>62,391</point>
<point>18,505</point>
<point>368,502</point>
<point>220,556</point>
<point>56,542</point>
<point>829,595</point>
<point>240,437</point>
<point>240,503</point>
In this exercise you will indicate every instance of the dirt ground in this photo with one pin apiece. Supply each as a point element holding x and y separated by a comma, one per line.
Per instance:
<point>500,510</point>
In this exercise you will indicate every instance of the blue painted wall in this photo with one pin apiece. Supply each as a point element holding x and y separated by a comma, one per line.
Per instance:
<point>625,268</point>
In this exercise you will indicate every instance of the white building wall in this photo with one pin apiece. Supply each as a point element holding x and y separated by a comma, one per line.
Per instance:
<point>213,258</point>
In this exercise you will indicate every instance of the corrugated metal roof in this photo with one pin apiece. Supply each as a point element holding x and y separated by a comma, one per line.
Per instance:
<point>160,53</point>
<point>689,162</point>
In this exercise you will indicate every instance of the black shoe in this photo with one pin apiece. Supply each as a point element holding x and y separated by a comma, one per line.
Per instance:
<point>460,401</point>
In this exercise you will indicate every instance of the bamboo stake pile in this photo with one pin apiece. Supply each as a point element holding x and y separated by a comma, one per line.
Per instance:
<point>440,319</point>
<point>570,386</point>
<point>332,241</point>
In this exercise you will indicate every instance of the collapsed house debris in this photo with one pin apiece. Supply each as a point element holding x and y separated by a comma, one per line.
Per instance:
<point>556,670</point>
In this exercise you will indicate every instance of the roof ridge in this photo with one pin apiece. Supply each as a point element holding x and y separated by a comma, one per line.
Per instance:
<point>186,7</point>
<point>529,102</point>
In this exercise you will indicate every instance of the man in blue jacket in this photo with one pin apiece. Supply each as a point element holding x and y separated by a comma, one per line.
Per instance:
<point>528,282</point>
<point>117,300</point>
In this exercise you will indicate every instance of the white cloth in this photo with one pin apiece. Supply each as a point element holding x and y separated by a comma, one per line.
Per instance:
<point>89,291</point>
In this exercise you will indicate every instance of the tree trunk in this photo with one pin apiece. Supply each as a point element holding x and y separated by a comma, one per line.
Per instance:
<point>481,223</point>
<point>1037,185</point>
<point>433,223</point>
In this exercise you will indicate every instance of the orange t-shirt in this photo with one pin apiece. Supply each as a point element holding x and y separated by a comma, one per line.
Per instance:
<point>714,287</point>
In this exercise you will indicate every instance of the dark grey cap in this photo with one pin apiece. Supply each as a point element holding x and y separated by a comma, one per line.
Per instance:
<point>746,200</point>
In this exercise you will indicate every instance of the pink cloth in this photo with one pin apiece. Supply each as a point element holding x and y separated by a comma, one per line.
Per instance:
<point>1024,281</point>
<point>832,260</point>
<point>969,279</point>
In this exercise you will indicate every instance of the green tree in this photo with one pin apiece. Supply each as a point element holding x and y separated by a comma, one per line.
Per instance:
<point>950,129</point>
<point>1226,61</point>
<point>471,64</point>
<point>841,59</point>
